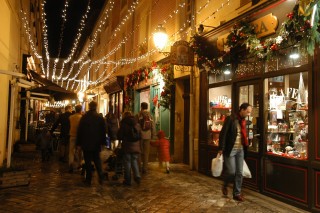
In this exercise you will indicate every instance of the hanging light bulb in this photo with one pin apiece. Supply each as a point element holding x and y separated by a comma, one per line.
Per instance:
<point>227,69</point>
<point>295,52</point>
<point>160,37</point>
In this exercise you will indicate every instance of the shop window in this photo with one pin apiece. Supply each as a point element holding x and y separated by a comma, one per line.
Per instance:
<point>219,108</point>
<point>286,116</point>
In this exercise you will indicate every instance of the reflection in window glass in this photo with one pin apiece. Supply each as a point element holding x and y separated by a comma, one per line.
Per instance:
<point>286,115</point>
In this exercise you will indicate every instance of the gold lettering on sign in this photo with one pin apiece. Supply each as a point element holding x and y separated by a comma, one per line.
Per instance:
<point>264,26</point>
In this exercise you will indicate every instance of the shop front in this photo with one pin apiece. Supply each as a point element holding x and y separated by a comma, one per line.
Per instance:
<point>283,155</point>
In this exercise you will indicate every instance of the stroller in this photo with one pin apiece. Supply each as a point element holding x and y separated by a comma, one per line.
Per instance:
<point>115,163</point>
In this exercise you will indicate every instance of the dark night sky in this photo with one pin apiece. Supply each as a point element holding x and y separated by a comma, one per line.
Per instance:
<point>75,11</point>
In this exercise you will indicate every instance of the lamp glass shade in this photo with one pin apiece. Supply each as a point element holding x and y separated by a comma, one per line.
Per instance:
<point>160,37</point>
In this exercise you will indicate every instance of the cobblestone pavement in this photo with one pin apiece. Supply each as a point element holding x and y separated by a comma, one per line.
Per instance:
<point>53,189</point>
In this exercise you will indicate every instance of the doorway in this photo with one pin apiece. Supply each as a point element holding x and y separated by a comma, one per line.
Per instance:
<point>251,92</point>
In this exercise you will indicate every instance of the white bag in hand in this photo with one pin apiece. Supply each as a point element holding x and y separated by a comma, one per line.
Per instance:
<point>246,171</point>
<point>217,165</point>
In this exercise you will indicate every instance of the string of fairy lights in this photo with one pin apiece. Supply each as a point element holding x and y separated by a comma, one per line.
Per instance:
<point>31,42</point>
<point>64,20</point>
<point>83,84</point>
<point>129,61</point>
<point>88,49</point>
<point>45,36</point>
<point>76,41</point>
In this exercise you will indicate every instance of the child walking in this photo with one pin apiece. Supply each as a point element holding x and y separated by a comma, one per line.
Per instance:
<point>44,141</point>
<point>163,146</point>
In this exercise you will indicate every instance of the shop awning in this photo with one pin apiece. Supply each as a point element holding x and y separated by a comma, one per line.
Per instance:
<point>50,88</point>
<point>40,80</point>
<point>114,85</point>
<point>55,91</point>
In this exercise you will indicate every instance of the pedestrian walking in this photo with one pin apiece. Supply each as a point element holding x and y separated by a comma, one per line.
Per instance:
<point>147,133</point>
<point>129,133</point>
<point>233,143</point>
<point>91,135</point>
<point>45,144</point>
<point>73,152</point>
<point>63,120</point>
<point>112,123</point>
<point>163,146</point>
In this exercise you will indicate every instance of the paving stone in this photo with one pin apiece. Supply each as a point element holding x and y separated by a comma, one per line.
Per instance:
<point>53,189</point>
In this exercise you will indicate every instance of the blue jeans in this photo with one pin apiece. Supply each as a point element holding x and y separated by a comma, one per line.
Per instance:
<point>234,167</point>
<point>131,162</point>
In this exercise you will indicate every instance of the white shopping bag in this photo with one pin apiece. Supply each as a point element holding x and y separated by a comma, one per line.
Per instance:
<point>246,171</point>
<point>217,165</point>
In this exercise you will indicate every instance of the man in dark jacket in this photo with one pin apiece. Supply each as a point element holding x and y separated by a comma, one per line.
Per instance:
<point>233,142</point>
<point>91,135</point>
<point>63,120</point>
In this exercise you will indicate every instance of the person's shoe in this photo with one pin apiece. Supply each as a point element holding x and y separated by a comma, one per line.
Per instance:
<point>70,170</point>
<point>238,198</point>
<point>168,171</point>
<point>137,180</point>
<point>224,190</point>
<point>144,171</point>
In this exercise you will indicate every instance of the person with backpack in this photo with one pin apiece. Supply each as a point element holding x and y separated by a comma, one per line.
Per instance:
<point>129,132</point>
<point>147,133</point>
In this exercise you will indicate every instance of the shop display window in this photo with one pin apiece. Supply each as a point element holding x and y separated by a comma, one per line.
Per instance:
<point>286,116</point>
<point>219,108</point>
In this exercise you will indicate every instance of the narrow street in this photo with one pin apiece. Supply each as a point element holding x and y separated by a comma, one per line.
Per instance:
<point>53,189</point>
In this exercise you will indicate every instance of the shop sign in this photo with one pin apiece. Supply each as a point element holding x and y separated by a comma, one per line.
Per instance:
<point>181,54</point>
<point>264,26</point>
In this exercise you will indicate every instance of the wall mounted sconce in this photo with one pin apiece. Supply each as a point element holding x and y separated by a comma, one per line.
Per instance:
<point>160,37</point>
<point>201,28</point>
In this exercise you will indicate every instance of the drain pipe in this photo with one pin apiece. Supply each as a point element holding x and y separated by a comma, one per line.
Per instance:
<point>192,113</point>
<point>191,122</point>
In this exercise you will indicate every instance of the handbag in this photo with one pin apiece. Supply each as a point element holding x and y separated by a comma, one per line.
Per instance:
<point>217,165</point>
<point>246,171</point>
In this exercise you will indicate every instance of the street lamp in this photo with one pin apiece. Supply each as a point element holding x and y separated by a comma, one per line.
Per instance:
<point>160,37</point>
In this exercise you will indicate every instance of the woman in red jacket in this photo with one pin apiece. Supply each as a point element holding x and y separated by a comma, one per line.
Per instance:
<point>163,149</point>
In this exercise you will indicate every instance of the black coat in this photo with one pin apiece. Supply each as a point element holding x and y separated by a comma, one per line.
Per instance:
<point>228,135</point>
<point>112,126</point>
<point>91,132</point>
<point>63,120</point>
<point>126,125</point>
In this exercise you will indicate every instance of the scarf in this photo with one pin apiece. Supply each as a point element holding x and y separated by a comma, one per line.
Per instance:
<point>244,139</point>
